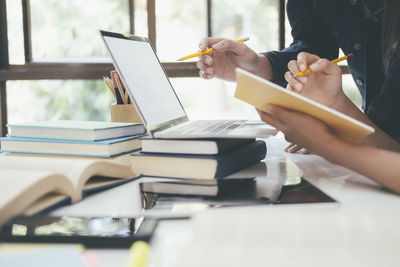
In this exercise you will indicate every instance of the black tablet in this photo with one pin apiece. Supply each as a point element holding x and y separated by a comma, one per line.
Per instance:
<point>99,232</point>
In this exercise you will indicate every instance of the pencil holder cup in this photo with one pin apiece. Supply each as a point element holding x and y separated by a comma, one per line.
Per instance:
<point>124,113</point>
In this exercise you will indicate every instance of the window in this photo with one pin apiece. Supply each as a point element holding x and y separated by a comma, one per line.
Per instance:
<point>52,59</point>
<point>69,29</point>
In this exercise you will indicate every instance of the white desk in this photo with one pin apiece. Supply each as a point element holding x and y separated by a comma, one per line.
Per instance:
<point>353,191</point>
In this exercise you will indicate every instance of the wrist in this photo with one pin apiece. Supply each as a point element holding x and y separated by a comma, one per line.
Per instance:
<point>262,67</point>
<point>341,101</point>
<point>331,149</point>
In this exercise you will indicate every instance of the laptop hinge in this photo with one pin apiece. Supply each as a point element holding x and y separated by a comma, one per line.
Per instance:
<point>168,124</point>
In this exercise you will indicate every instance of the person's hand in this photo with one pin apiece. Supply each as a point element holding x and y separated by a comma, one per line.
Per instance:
<point>323,85</point>
<point>226,57</point>
<point>299,128</point>
<point>294,148</point>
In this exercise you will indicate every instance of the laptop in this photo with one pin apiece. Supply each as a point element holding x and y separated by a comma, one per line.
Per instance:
<point>156,101</point>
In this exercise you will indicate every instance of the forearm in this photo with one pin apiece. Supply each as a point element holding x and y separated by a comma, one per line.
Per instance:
<point>379,138</point>
<point>379,165</point>
<point>263,68</point>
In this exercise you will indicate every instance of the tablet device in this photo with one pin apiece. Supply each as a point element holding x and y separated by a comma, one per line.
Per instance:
<point>92,232</point>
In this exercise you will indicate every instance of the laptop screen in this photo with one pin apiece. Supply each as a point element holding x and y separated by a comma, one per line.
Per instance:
<point>145,79</point>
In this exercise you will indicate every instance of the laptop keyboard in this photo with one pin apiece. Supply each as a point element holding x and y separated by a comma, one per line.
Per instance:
<point>207,127</point>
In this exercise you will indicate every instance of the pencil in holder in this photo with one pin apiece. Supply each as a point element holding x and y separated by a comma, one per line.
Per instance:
<point>124,113</point>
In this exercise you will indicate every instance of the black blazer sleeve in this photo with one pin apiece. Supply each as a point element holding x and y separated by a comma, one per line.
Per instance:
<point>310,34</point>
<point>384,109</point>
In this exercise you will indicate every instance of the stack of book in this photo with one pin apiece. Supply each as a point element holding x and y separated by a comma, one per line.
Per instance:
<point>196,159</point>
<point>54,163</point>
<point>73,138</point>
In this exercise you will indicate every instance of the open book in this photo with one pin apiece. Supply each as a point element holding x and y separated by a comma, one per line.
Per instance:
<point>260,92</point>
<point>32,184</point>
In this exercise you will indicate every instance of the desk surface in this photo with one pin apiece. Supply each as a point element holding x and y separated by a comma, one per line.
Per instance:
<point>351,190</point>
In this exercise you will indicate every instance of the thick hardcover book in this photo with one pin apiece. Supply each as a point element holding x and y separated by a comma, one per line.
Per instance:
<point>32,184</point>
<point>199,166</point>
<point>102,148</point>
<point>76,130</point>
<point>189,187</point>
<point>191,146</point>
<point>259,92</point>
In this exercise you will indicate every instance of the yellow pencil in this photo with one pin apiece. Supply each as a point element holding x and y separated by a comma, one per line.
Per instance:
<point>139,254</point>
<point>109,86</point>
<point>308,71</point>
<point>209,50</point>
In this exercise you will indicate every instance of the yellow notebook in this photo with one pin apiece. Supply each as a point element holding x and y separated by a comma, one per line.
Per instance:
<point>259,92</point>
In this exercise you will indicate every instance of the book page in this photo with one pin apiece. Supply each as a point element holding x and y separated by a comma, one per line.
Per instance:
<point>70,167</point>
<point>22,187</point>
<point>78,170</point>
<point>49,200</point>
<point>101,168</point>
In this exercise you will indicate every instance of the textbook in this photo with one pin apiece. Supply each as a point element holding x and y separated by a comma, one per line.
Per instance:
<point>123,159</point>
<point>195,187</point>
<point>75,130</point>
<point>259,92</point>
<point>102,148</point>
<point>198,166</point>
<point>191,146</point>
<point>33,184</point>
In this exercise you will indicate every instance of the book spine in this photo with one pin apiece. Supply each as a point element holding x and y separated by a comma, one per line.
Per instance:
<point>89,191</point>
<point>231,144</point>
<point>240,159</point>
<point>63,202</point>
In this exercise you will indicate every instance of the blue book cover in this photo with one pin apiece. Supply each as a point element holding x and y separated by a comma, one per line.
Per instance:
<point>60,147</point>
<point>49,140</point>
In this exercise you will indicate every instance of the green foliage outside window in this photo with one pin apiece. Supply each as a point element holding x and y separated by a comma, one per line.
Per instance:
<point>68,31</point>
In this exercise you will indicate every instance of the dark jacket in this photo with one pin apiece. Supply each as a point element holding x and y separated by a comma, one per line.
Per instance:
<point>322,27</point>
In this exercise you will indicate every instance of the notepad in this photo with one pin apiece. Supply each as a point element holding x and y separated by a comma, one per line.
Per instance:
<point>259,92</point>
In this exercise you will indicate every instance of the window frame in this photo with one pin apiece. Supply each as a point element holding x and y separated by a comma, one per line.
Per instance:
<point>82,70</point>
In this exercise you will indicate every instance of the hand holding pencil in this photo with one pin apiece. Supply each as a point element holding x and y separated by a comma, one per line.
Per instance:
<point>209,50</point>
<point>308,70</point>
<point>226,56</point>
<point>325,83</point>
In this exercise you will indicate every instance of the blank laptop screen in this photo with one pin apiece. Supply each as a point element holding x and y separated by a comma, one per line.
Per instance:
<point>146,80</point>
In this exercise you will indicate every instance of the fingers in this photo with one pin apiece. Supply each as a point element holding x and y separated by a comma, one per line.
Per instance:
<point>207,42</point>
<point>293,148</point>
<point>289,147</point>
<point>207,71</point>
<point>205,68</point>
<point>268,118</point>
<point>295,85</point>
<point>293,67</point>
<point>305,59</point>
<point>205,75</point>
<point>207,59</point>
<point>326,66</point>
<point>231,46</point>
<point>205,63</point>
<point>282,114</point>
<point>315,63</point>
<point>289,87</point>
<point>296,82</point>
<point>221,44</point>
